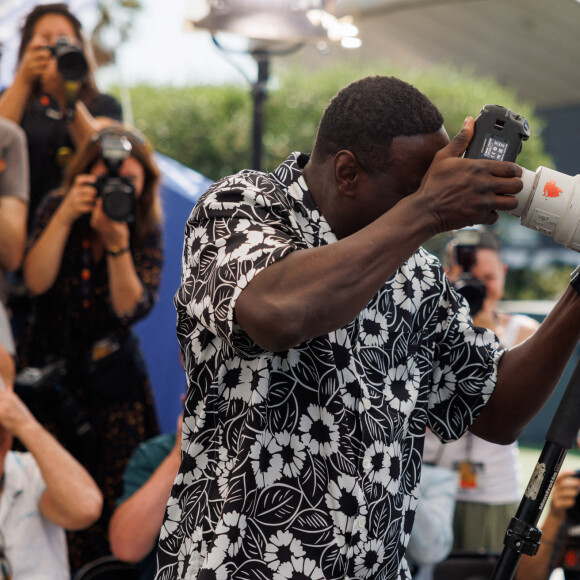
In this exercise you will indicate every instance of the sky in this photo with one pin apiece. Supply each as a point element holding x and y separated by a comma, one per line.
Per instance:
<point>159,51</point>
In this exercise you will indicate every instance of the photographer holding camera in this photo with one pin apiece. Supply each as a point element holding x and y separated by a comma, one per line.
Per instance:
<point>53,96</point>
<point>93,264</point>
<point>560,542</point>
<point>43,492</point>
<point>489,492</point>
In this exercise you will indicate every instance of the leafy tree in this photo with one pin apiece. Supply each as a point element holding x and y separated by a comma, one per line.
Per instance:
<point>114,27</point>
<point>209,128</point>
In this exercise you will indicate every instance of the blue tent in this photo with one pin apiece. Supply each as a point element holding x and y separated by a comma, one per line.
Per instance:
<point>180,189</point>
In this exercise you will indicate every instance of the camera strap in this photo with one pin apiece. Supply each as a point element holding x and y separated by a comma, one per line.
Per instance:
<point>72,91</point>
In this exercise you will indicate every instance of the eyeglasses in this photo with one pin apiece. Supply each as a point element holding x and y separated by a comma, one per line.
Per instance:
<point>5,566</point>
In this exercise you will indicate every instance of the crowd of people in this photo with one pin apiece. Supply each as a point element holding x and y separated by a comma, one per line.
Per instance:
<point>81,255</point>
<point>339,388</point>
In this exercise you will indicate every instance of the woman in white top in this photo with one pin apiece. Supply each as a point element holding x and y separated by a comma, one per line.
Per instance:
<point>489,490</point>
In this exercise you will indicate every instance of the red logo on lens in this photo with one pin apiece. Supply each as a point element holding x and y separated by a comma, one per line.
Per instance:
<point>551,189</point>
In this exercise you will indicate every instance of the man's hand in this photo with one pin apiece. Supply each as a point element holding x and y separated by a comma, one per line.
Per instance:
<point>566,488</point>
<point>112,233</point>
<point>463,192</point>
<point>35,61</point>
<point>14,415</point>
<point>79,200</point>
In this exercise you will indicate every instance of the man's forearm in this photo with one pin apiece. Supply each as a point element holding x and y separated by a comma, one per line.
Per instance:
<point>311,292</point>
<point>74,501</point>
<point>529,372</point>
<point>135,525</point>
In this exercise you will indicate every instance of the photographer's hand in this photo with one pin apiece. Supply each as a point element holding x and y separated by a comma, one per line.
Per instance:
<point>14,415</point>
<point>74,501</point>
<point>43,261</point>
<point>563,496</point>
<point>125,287</point>
<point>566,488</point>
<point>34,63</point>
<point>79,200</point>
<point>113,234</point>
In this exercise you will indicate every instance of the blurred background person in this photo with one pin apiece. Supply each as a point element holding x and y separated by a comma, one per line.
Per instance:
<point>14,194</point>
<point>560,542</point>
<point>57,114</point>
<point>431,539</point>
<point>135,525</point>
<point>93,277</point>
<point>43,491</point>
<point>489,492</point>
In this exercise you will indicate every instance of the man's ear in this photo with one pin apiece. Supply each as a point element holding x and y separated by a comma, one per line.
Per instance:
<point>346,171</point>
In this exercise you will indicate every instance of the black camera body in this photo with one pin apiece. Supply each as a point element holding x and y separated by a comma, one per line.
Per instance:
<point>471,288</point>
<point>117,192</point>
<point>44,393</point>
<point>498,135</point>
<point>70,60</point>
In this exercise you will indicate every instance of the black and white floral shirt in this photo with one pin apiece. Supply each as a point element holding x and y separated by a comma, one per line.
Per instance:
<point>305,464</point>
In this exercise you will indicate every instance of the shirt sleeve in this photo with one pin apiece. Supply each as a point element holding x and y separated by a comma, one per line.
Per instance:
<point>144,462</point>
<point>235,231</point>
<point>14,173</point>
<point>148,260</point>
<point>465,368</point>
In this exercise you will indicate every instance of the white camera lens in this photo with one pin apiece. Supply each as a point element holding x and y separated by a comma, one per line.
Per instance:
<point>548,203</point>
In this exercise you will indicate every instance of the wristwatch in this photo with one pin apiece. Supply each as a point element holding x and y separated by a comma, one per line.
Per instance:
<point>115,251</point>
<point>575,279</point>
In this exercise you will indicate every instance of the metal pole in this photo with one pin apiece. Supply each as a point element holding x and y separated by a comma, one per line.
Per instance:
<point>259,95</point>
<point>522,536</point>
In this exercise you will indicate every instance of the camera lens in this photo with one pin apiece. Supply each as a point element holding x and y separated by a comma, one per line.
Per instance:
<point>70,60</point>
<point>118,199</point>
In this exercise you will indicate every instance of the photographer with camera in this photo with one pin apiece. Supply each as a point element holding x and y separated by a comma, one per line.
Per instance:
<point>93,264</point>
<point>53,96</point>
<point>43,492</point>
<point>560,542</point>
<point>489,491</point>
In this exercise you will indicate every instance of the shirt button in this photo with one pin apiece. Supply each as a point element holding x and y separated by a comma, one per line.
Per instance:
<point>366,404</point>
<point>367,463</point>
<point>361,522</point>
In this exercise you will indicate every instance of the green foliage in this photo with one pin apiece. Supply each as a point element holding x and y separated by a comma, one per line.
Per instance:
<point>547,284</point>
<point>205,128</point>
<point>209,128</point>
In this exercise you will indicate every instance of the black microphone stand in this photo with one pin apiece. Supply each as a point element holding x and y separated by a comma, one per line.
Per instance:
<point>522,535</point>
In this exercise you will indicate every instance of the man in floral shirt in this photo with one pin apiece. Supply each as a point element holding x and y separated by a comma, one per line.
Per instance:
<point>320,340</point>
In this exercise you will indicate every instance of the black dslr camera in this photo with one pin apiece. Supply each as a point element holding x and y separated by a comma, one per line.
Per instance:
<point>118,193</point>
<point>51,401</point>
<point>70,60</point>
<point>498,134</point>
<point>472,289</point>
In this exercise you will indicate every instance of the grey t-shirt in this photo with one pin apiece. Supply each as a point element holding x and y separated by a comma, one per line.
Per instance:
<point>14,182</point>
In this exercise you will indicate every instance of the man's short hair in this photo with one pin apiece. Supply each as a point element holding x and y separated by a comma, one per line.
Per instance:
<point>366,115</point>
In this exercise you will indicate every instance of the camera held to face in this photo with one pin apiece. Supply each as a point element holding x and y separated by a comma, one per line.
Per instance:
<point>549,201</point>
<point>117,192</point>
<point>471,288</point>
<point>70,60</point>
